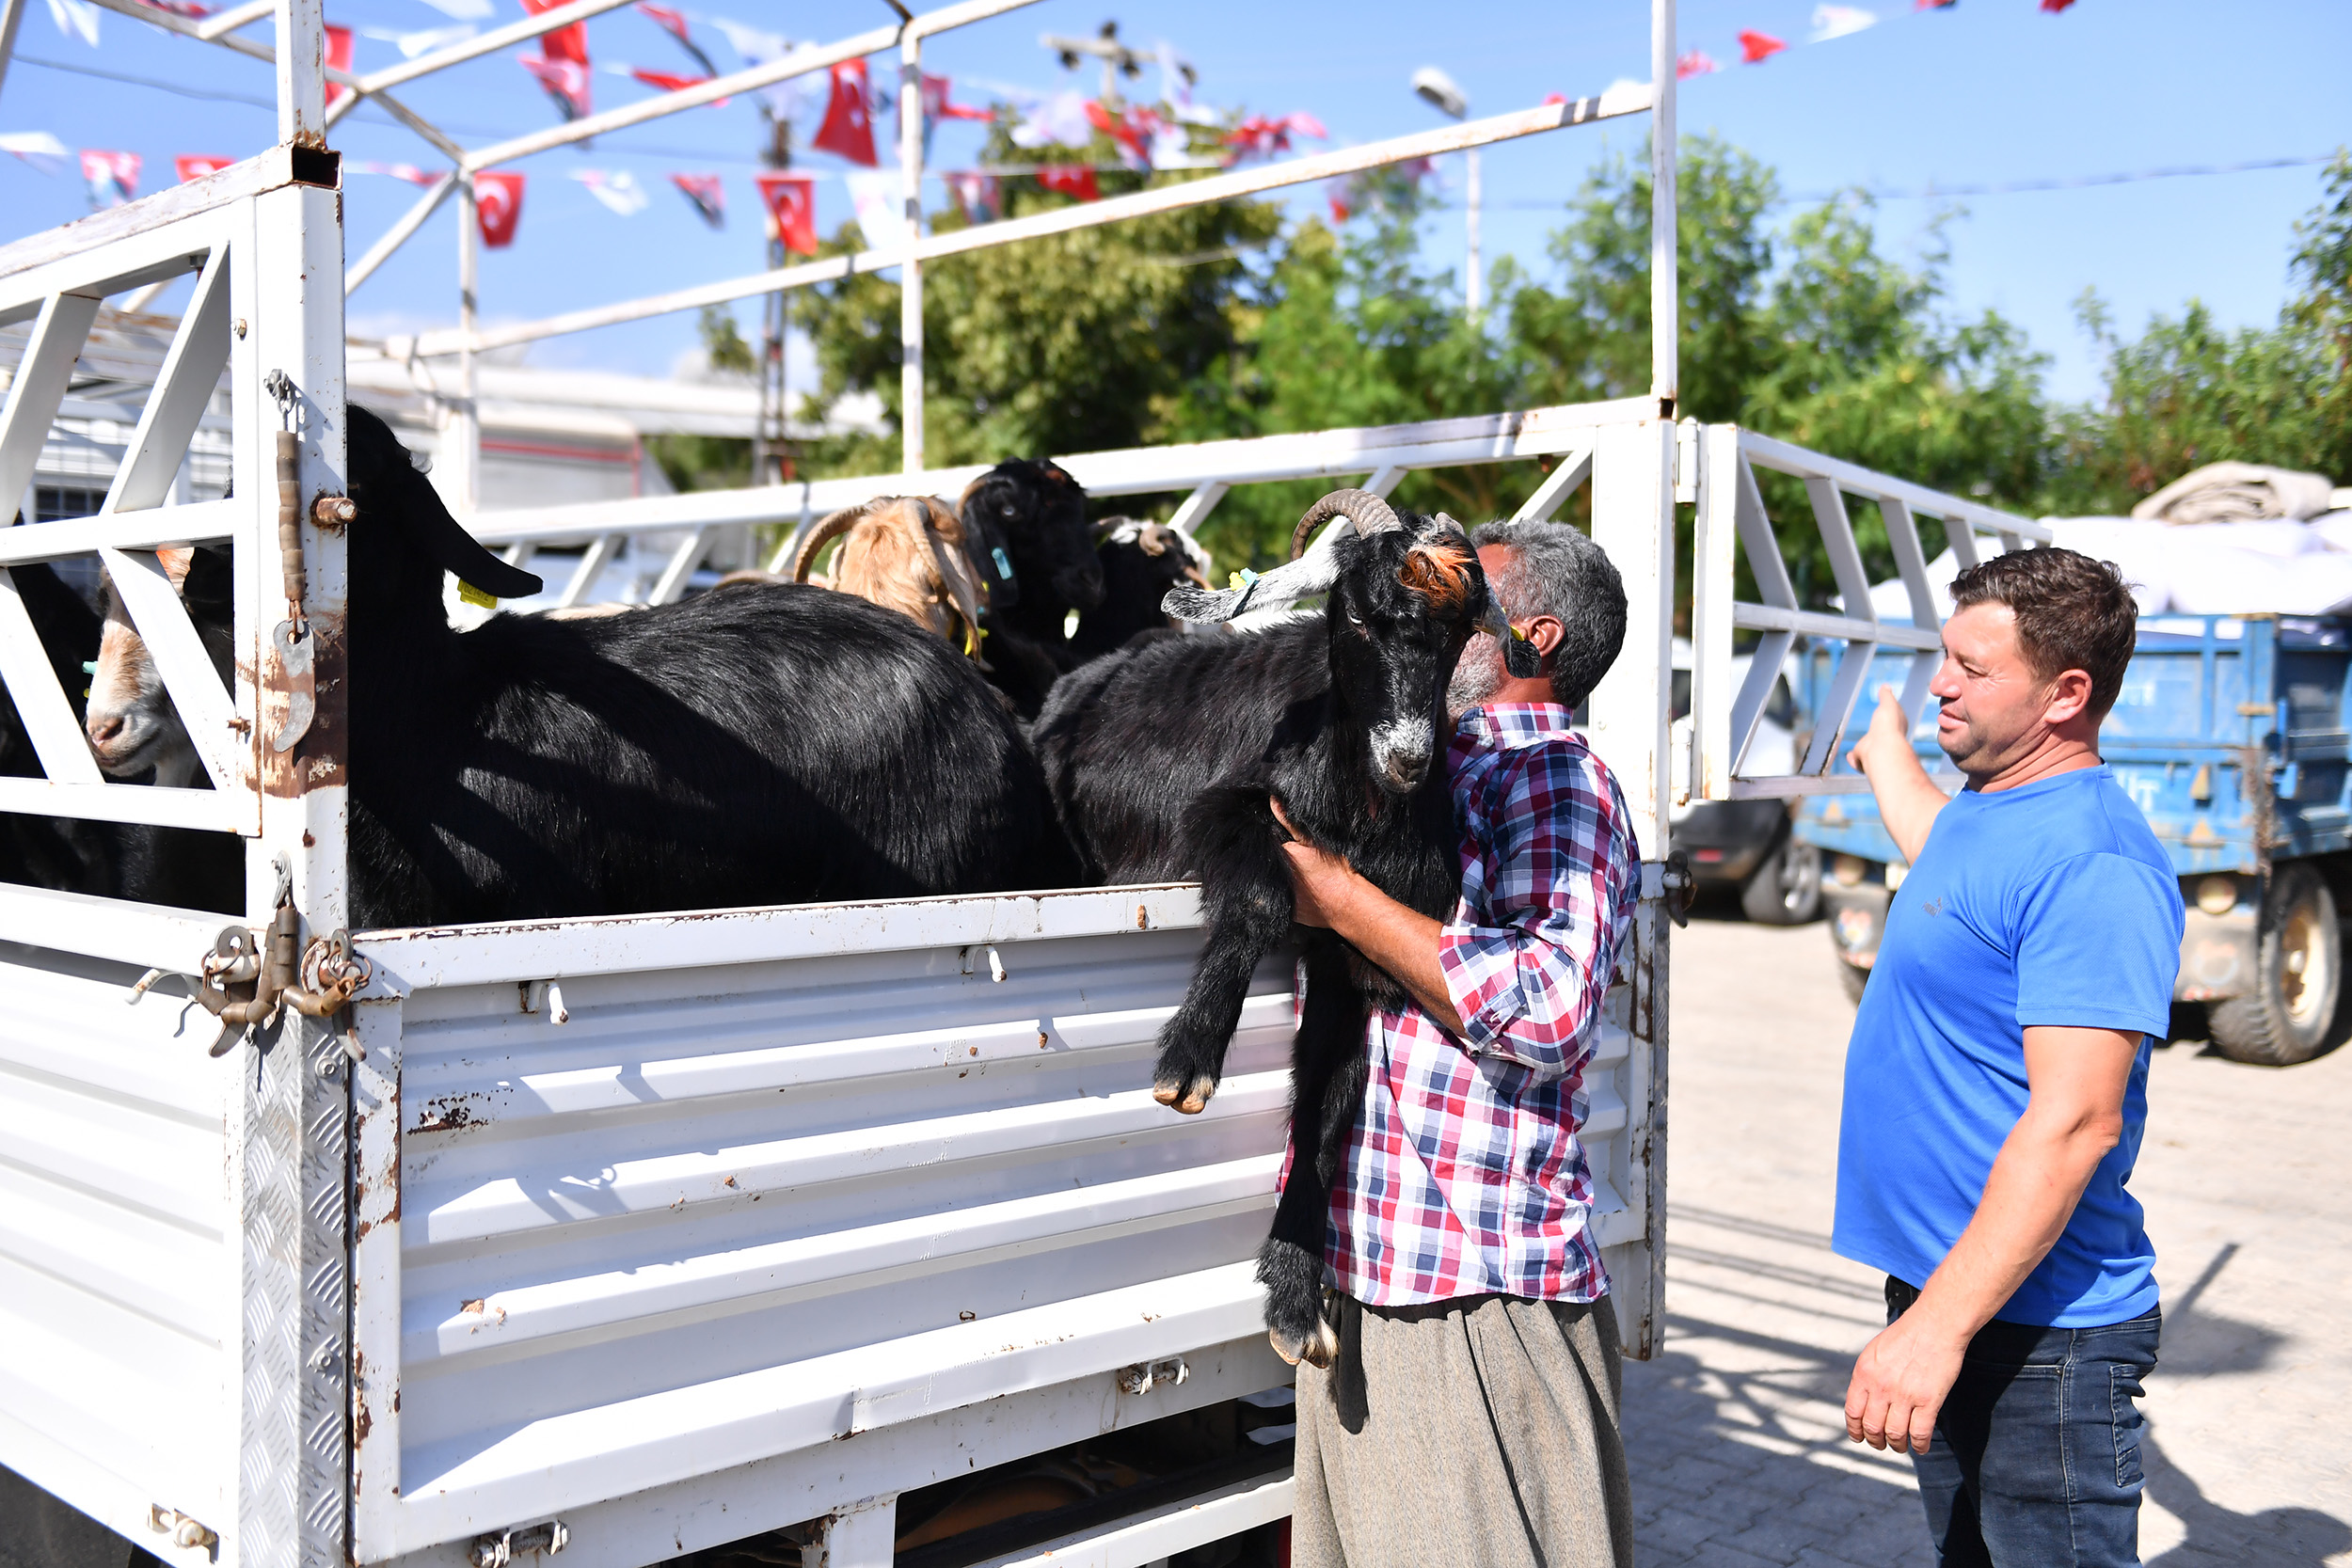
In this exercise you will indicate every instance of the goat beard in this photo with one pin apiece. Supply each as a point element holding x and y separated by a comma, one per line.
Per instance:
<point>1478,674</point>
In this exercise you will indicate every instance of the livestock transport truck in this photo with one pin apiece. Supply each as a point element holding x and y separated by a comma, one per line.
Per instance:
<point>2230,734</point>
<point>822,1229</point>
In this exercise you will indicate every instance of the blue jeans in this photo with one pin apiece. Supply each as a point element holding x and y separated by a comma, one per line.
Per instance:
<point>2036,1457</point>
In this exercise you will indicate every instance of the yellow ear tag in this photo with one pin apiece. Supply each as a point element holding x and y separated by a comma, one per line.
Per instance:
<point>471,595</point>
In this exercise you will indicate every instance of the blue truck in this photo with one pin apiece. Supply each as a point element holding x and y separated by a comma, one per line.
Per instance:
<point>2232,734</point>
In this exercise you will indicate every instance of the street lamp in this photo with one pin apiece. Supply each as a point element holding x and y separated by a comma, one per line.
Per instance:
<point>1442,93</point>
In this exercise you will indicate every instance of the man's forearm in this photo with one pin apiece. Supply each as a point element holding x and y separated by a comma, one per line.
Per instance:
<point>1908,800</point>
<point>1401,942</point>
<point>2036,1180</point>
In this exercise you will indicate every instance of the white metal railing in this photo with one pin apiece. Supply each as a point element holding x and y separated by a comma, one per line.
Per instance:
<point>1732,513</point>
<point>1205,471</point>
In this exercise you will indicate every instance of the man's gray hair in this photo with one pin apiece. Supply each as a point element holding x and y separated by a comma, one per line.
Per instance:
<point>1557,571</point>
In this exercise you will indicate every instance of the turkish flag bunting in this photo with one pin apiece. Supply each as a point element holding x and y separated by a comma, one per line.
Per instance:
<point>979,197</point>
<point>497,195</point>
<point>566,81</point>
<point>196,166</point>
<point>1756,46</point>
<point>792,203</point>
<point>709,193</point>
<point>848,127</point>
<point>337,59</point>
<point>564,43</point>
<point>1072,180</point>
<point>668,83</point>
<point>113,177</point>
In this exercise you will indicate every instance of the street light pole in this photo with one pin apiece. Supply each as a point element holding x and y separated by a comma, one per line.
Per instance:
<point>1474,292</point>
<point>1440,92</point>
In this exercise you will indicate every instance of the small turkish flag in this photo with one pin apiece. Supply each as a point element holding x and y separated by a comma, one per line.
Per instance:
<point>1756,46</point>
<point>497,195</point>
<point>113,177</point>
<point>848,127</point>
<point>792,203</point>
<point>564,43</point>
<point>196,166</point>
<point>1072,180</point>
<point>708,193</point>
<point>337,59</point>
<point>566,81</point>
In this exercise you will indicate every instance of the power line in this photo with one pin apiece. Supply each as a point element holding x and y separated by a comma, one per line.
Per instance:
<point>2010,187</point>
<point>374,117</point>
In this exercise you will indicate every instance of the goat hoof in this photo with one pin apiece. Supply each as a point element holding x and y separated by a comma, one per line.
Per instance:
<point>1188,1096</point>
<point>1317,1349</point>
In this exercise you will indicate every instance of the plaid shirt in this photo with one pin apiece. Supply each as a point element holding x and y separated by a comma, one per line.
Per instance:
<point>1463,1172</point>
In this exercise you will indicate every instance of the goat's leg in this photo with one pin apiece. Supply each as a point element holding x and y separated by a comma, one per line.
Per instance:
<point>1290,1265</point>
<point>1247,891</point>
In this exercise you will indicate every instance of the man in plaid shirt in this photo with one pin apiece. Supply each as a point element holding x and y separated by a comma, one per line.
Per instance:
<point>1471,1415</point>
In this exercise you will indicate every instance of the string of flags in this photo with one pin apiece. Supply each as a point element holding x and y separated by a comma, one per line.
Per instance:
<point>1830,22</point>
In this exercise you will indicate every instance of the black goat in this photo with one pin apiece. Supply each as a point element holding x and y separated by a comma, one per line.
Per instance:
<point>1341,717</point>
<point>763,745</point>
<point>1141,561</point>
<point>1025,524</point>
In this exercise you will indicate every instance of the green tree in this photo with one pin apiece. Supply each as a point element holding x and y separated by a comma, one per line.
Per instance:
<point>1347,329</point>
<point>1071,342</point>
<point>710,462</point>
<point>2186,392</point>
<point>1816,336</point>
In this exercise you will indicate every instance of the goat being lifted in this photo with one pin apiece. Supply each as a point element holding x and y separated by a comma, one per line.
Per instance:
<point>757,745</point>
<point>1341,717</point>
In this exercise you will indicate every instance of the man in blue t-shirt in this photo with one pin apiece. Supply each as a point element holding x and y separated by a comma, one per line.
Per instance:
<point>1996,1084</point>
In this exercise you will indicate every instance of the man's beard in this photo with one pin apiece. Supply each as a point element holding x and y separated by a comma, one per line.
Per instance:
<point>1478,674</point>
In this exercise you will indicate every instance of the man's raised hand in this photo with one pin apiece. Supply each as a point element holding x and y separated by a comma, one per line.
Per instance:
<point>1889,738</point>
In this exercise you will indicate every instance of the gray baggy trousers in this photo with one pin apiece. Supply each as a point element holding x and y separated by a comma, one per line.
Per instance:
<point>1476,1433</point>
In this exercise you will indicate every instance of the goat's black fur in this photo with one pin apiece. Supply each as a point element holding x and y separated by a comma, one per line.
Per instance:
<point>1036,515</point>
<point>759,746</point>
<point>1135,580</point>
<point>1162,758</point>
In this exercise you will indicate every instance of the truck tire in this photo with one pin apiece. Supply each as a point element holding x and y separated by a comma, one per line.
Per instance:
<point>2298,976</point>
<point>1785,888</point>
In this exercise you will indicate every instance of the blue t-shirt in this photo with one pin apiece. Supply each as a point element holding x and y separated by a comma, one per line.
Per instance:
<point>2049,904</point>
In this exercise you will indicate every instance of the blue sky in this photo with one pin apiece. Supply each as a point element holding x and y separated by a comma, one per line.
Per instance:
<point>1985,92</point>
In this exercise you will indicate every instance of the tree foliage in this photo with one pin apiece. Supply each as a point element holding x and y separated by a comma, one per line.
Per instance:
<point>2186,392</point>
<point>1221,321</point>
<point>1073,342</point>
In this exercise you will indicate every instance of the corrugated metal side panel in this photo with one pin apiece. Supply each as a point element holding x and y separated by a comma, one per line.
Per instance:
<point>607,1227</point>
<point>117,1291</point>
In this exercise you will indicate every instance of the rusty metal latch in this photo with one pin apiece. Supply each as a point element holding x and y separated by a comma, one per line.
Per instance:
<point>500,1548</point>
<point>1678,886</point>
<point>244,979</point>
<point>1144,1376</point>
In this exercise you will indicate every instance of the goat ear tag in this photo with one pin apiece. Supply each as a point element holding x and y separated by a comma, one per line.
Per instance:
<point>302,701</point>
<point>473,596</point>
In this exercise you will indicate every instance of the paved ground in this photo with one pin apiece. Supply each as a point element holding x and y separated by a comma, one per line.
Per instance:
<point>1736,1432</point>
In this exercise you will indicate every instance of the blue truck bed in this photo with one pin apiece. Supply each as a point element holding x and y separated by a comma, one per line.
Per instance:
<point>2230,733</point>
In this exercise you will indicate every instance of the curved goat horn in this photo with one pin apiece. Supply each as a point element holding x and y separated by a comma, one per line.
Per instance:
<point>1367,512</point>
<point>830,526</point>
